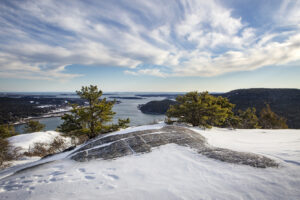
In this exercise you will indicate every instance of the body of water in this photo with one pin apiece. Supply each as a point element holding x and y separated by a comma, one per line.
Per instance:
<point>127,108</point>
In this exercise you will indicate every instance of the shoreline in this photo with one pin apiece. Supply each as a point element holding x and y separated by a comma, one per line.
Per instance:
<point>47,115</point>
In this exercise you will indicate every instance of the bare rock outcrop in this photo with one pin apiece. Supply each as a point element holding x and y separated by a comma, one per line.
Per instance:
<point>114,146</point>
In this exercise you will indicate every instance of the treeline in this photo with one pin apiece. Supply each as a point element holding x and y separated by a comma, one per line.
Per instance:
<point>14,109</point>
<point>283,102</point>
<point>205,110</point>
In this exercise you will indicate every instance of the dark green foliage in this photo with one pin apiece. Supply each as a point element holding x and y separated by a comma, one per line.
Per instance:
<point>156,107</point>
<point>71,124</point>
<point>123,123</point>
<point>284,102</point>
<point>4,151</point>
<point>33,126</point>
<point>7,131</point>
<point>15,108</point>
<point>201,109</point>
<point>91,119</point>
<point>248,119</point>
<point>270,120</point>
<point>169,121</point>
<point>7,153</point>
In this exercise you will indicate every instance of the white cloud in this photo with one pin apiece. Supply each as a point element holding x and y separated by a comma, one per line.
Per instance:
<point>273,53</point>
<point>189,38</point>
<point>289,13</point>
<point>151,72</point>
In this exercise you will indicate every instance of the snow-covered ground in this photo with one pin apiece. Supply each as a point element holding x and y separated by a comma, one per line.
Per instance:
<point>26,141</point>
<point>62,109</point>
<point>283,145</point>
<point>169,172</point>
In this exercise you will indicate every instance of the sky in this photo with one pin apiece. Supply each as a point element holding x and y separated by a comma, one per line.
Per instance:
<point>149,45</point>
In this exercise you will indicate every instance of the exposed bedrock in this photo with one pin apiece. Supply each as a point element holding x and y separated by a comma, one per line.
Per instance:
<point>114,146</point>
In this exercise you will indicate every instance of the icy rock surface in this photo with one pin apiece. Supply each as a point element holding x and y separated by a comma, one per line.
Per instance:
<point>114,146</point>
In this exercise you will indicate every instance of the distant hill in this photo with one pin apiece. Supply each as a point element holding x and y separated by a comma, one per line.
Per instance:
<point>14,109</point>
<point>284,102</point>
<point>156,107</point>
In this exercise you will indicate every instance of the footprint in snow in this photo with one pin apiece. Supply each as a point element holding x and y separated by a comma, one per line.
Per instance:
<point>90,177</point>
<point>38,176</point>
<point>57,173</point>
<point>112,176</point>
<point>110,187</point>
<point>54,179</point>
<point>27,181</point>
<point>82,170</point>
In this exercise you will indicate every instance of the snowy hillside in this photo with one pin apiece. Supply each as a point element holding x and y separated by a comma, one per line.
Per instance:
<point>26,141</point>
<point>167,172</point>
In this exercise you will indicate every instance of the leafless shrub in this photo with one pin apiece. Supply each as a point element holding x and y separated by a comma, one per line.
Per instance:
<point>44,149</point>
<point>39,149</point>
<point>82,139</point>
<point>57,145</point>
<point>79,139</point>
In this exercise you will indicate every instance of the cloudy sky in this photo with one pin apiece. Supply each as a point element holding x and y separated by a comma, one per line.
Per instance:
<point>149,45</point>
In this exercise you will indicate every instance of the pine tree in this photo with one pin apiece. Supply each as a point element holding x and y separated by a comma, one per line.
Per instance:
<point>91,119</point>
<point>7,131</point>
<point>33,126</point>
<point>248,119</point>
<point>270,120</point>
<point>201,109</point>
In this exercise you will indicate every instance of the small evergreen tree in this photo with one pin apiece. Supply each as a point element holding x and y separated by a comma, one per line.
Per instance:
<point>248,119</point>
<point>7,131</point>
<point>91,119</point>
<point>270,120</point>
<point>4,151</point>
<point>33,126</point>
<point>7,153</point>
<point>71,122</point>
<point>201,109</point>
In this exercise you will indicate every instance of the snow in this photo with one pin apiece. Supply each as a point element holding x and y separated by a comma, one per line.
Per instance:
<point>283,144</point>
<point>45,106</point>
<point>168,172</point>
<point>25,141</point>
<point>59,110</point>
<point>138,128</point>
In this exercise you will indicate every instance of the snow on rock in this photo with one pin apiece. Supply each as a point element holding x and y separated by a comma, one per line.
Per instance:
<point>25,141</point>
<point>137,128</point>
<point>281,144</point>
<point>168,172</point>
<point>120,145</point>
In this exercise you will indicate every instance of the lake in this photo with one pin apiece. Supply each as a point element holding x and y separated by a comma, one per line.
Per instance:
<point>127,108</point>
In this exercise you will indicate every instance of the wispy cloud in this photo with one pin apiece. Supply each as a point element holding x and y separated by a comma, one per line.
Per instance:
<point>151,72</point>
<point>38,39</point>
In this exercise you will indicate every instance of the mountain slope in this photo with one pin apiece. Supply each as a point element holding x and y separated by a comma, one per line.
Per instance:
<point>284,102</point>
